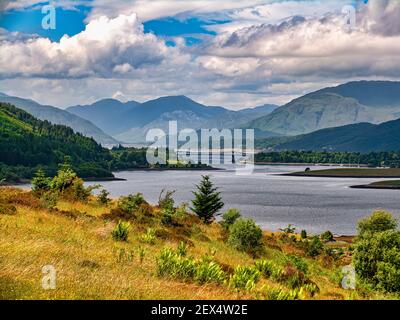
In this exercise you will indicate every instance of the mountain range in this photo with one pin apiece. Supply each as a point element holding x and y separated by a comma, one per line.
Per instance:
<point>355,102</point>
<point>130,121</point>
<point>365,104</point>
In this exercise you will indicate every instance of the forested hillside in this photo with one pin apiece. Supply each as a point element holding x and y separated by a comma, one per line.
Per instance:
<point>26,142</point>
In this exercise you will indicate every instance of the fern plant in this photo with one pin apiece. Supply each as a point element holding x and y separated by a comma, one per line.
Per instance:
<point>121,231</point>
<point>244,278</point>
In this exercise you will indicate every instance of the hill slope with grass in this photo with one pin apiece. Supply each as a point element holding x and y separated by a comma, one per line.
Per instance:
<point>127,248</point>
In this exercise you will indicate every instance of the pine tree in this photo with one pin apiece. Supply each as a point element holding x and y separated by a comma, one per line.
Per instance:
<point>207,200</point>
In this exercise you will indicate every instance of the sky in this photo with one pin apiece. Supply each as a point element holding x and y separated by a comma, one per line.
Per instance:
<point>229,53</point>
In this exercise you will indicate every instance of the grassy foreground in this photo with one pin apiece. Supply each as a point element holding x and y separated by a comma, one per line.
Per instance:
<point>76,239</point>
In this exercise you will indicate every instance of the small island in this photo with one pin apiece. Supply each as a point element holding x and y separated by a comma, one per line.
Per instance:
<point>350,173</point>
<point>392,185</point>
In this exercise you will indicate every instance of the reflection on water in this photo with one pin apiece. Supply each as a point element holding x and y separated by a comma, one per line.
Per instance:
<point>274,201</point>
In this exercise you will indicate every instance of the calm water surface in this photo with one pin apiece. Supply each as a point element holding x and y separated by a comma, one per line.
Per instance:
<point>272,200</point>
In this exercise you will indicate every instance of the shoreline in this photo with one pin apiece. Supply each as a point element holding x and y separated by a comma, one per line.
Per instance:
<point>311,164</point>
<point>337,176</point>
<point>376,187</point>
<point>171,169</point>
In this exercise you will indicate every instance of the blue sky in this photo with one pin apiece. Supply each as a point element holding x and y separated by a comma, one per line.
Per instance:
<point>231,53</point>
<point>72,22</point>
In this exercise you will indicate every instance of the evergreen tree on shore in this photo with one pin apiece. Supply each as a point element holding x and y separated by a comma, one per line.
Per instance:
<point>207,200</point>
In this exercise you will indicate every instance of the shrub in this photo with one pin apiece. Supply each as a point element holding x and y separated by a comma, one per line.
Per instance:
<point>298,262</point>
<point>229,218</point>
<point>79,192</point>
<point>131,203</point>
<point>102,198</point>
<point>376,259</point>
<point>121,231</point>
<point>49,200</point>
<point>166,201</point>
<point>327,236</point>
<point>245,236</point>
<point>40,182</point>
<point>289,229</point>
<point>149,237</point>
<point>379,221</point>
<point>64,178</point>
<point>303,234</point>
<point>314,247</point>
<point>244,278</point>
<point>207,200</point>
<point>265,267</point>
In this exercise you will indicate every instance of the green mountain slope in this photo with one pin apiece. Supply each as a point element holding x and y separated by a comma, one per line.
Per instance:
<point>355,102</point>
<point>361,137</point>
<point>28,142</point>
<point>369,93</point>
<point>58,116</point>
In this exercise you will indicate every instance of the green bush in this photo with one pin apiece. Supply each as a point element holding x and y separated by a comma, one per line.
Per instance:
<point>79,192</point>
<point>327,236</point>
<point>245,236</point>
<point>49,200</point>
<point>166,201</point>
<point>121,231</point>
<point>131,203</point>
<point>303,234</point>
<point>298,262</point>
<point>314,247</point>
<point>379,221</point>
<point>102,197</point>
<point>229,218</point>
<point>376,259</point>
<point>64,179</point>
<point>40,182</point>
<point>244,278</point>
